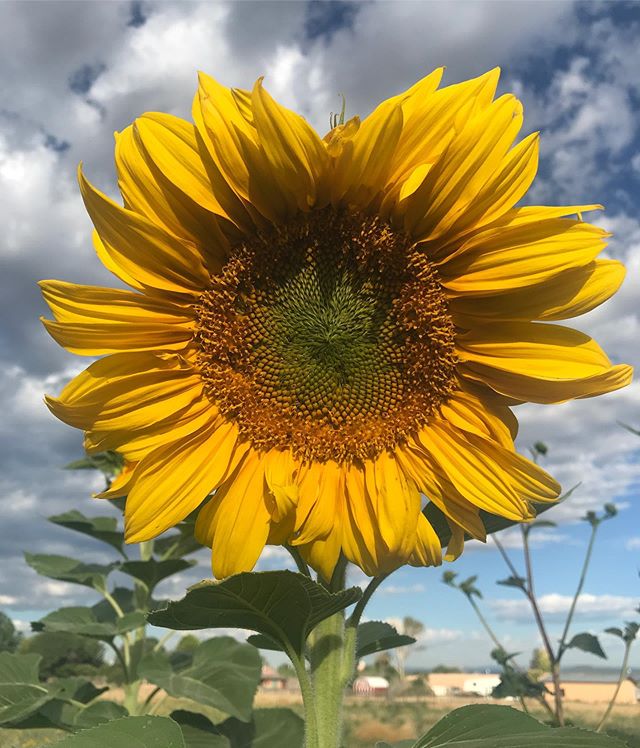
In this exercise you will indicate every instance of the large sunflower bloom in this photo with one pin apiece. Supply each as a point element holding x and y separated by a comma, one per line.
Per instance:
<point>322,331</point>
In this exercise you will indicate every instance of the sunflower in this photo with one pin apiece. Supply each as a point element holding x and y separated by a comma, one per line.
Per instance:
<point>323,331</point>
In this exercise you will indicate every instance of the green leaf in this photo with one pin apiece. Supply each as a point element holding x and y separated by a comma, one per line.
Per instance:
<point>277,727</point>
<point>83,621</point>
<point>21,693</point>
<point>110,463</point>
<point>198,731</point>
<point>260,641</point>
<point>177,545</point>
<point>70,570</point>
<point>151,572</point>
<point>512,581</point>
<point>100,528</point>
<point>485,726</point>
<point>587,643</point>
<point>224,674</point>
<point>73,717</point>
<point>283,605</point>
<point>132,732</point>
<point>377,636</point>
<point>615,632</point>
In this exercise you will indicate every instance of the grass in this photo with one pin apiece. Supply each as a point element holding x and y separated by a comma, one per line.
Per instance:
<point>371,720</point>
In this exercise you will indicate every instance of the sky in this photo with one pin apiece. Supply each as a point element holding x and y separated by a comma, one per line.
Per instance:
<point>72,73</point>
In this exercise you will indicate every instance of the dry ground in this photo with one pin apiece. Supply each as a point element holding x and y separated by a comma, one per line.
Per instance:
<point>371,720</point>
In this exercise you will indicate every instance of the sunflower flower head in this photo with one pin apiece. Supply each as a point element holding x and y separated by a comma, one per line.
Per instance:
<point>321,332</point>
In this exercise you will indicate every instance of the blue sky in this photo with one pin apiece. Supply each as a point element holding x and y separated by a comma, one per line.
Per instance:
<point>72,73</point>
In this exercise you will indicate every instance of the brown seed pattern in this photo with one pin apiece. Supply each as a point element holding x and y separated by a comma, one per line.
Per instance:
<point>330,336</point>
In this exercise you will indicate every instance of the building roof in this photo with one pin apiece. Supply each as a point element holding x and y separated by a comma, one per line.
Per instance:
<point>457,680</point>
<point>373,681</point>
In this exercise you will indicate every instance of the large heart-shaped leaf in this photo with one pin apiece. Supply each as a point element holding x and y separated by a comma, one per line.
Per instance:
<point>283,605</point>
<point>587,643</point>
<point>224,674</point>
<point>100,528</point>
<point>70,570</point>
<point>151,572</point>
<point>199,732</point>
<point>84,621</point>
<point>71,716</point>
<point>132,732</point>
<point>487,726</point>
<point>270,728</point>
<point>21,693</point>
<point>376,636</point>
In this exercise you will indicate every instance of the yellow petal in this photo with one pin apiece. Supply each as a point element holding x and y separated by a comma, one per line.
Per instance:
<point>152,256</point>
<point>456,543</point>
<point>234,145</point>
<point>362,167</point>
<point>470,161</point>
<point>96,339</point>
<point>174,480</point>
<point>112,394</point>
<point>71,302</point>
<point>565,295</point>
<point>482,416</point>
<point>511,255</point>
<point>477,476</point>
<point>323,554</point>
<point>321,486</point>
<point>428,550</point>
<point>236,520</point>
<point>159,187</point>
<point>280,470</point>
<point>298,159</point>
<point>431,118</point>
<point>395,501</point>
<point>549,352</point>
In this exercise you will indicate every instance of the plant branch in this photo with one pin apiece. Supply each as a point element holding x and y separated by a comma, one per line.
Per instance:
<point>621,679</point>
<point>583,575</point>
<point>300,563</point>
<point>356,615</point>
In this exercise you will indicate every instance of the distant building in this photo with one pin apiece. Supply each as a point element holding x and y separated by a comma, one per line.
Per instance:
<point>371,685</point>
<point>462,684</point>
<point>595,689</point>
<point>271,680</point>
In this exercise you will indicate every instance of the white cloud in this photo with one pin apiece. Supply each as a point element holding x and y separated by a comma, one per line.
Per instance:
<point>632,544</point>
<point>555,607</point>
<point>394,589</point>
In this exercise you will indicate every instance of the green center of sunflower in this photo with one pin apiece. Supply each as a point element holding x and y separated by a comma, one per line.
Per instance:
<point>329,336</point>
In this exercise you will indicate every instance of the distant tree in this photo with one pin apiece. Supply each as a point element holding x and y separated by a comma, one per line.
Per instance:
<point>410,627</point>
<point>64,654</point>
<point>383,667</point>
<point>286,670</point>
<point>9,637</point>
<point>539,664</point>
<point>188,643</point>
<point>445,669</point>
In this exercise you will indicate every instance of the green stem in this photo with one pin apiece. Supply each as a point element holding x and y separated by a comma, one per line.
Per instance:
<point>329,663</point>
<point>308,700</point>
<point>147,701</point>
<point>621,679</point>
<point>553,658</point>
<point>485,623</point>
<point>574,602</point>
<point>354,618</point>
<point>302,567</point>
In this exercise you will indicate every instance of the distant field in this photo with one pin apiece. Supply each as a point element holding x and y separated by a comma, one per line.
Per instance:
<point>370,720</point>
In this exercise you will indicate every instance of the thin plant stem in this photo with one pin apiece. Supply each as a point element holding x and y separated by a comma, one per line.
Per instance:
<point>574,602</point>
<point>163,640</point>
<point>484,622</point>
<point>505,556</point>
<point>147,701</point>
<point>356,615</point>
<point>302,567</point>
<point>621,679</point>
<point>307,691</point>
<point>555,670</point>
<point>121,660</point>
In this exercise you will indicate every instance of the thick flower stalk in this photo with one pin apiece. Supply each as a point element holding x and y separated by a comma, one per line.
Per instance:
<point>321,331</point>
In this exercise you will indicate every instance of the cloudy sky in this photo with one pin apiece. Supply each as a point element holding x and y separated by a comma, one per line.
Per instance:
<point>72,73</point>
